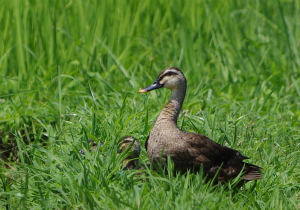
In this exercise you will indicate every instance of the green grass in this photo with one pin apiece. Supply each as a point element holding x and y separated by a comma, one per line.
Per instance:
<point>71,70</point>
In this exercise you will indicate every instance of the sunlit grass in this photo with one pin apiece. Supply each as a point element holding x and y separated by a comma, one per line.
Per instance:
<point>71,70</point>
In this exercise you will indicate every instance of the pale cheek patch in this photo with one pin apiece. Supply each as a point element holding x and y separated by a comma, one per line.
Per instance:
<point>170,84</point>
<point>164,80</point>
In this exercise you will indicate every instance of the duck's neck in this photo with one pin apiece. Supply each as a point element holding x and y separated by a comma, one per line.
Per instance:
<point>168,116</point>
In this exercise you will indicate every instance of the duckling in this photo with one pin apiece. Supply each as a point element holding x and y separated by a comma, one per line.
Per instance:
<point>127,144</point>
<point>132,147</point>
<point>93,145</point>
<point>190,151</point>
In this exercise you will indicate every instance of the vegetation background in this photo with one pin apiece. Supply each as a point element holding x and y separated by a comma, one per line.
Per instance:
<point>71,70</point>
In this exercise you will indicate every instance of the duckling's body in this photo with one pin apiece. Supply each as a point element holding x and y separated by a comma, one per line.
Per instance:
<point>190,151</point>
<point>92,145</point>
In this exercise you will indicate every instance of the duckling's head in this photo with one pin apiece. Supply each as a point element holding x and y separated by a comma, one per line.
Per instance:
<point>170,78</point>
<point>130,145</point>
<point>92,145</point>
<point>132,148</point>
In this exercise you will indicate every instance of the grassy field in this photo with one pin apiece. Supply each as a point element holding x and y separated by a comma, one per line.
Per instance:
<point>71,70</point>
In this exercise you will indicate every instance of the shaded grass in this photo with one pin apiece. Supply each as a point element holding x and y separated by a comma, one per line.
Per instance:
<point>70,71</point>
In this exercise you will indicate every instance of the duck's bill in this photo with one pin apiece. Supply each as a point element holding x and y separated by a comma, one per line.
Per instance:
<point>154,86</point>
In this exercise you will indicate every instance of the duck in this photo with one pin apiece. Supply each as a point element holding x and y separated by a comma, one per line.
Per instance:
<point>128,145</point>
<point>191,151</point>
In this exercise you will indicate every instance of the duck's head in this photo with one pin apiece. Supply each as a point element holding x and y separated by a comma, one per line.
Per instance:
<point>130,145</point>
<point>170,78</point>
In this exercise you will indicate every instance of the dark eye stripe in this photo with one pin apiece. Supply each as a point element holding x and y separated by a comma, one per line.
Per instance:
<point>127,140</point>
<point>170,73</point>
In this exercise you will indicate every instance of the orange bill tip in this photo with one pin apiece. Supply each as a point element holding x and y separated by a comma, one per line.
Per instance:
<point>142,91</point>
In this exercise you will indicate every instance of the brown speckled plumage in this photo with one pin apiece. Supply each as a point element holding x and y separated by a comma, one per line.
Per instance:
<point>190,151</point>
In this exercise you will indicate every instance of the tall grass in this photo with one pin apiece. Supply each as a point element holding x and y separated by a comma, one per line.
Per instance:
<point>70,71</point>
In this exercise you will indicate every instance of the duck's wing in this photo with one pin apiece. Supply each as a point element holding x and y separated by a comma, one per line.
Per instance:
<point>201,146</point>
<point>213,156</point>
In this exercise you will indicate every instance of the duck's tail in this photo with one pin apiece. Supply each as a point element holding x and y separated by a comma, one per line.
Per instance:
<point>252,172</point>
